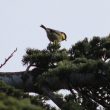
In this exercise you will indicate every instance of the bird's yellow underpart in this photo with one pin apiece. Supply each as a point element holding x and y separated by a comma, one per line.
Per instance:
<point>63,36</point>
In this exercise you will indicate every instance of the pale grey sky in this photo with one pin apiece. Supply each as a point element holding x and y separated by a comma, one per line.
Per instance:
<point>20,21</point>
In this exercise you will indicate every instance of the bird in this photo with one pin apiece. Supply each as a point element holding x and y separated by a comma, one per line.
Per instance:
<point>54,36</point>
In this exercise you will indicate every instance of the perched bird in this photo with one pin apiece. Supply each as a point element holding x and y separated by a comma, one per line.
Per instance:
<point>54,35</point>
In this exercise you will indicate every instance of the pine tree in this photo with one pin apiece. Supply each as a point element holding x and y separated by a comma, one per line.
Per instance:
<point>84,70</point>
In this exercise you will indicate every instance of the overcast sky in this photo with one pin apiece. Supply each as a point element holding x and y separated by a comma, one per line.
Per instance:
<point>20,21</point>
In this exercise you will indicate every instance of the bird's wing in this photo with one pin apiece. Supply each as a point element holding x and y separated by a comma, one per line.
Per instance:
<point>55,35</point>
<point>55,31</point>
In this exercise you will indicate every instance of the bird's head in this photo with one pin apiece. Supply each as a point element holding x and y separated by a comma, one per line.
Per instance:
<point>64,37</point>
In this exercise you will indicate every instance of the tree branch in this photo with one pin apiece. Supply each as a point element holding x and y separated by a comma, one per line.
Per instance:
<point>7,59</point>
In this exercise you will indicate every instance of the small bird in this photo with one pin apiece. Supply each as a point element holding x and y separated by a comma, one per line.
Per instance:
<point>54,35</point>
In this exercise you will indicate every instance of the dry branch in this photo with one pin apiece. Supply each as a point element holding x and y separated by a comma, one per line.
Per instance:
<point>7,59</point>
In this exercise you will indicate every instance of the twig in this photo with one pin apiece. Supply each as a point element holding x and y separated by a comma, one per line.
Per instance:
<point>6,59</point>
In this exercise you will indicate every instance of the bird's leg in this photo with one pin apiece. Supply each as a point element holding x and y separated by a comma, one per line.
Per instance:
<point>55,42</point>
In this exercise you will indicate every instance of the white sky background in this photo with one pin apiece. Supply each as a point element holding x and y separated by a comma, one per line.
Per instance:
<point>20,21</point>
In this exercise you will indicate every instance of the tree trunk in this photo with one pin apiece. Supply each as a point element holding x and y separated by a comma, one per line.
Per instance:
<point>58,101</point>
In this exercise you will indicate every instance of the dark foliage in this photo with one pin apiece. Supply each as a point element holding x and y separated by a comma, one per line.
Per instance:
<point>84,70</point>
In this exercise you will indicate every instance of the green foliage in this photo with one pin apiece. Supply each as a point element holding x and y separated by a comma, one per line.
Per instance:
<point>11,103</point>
<point>43,59</point>
<point>96,48</point>
<point>84,68</point>
<point>11,91</point>
<point>71,104</point>
<point>14,99</point>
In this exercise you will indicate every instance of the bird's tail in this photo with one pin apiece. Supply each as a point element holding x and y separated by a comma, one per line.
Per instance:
<point>42,26</point>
